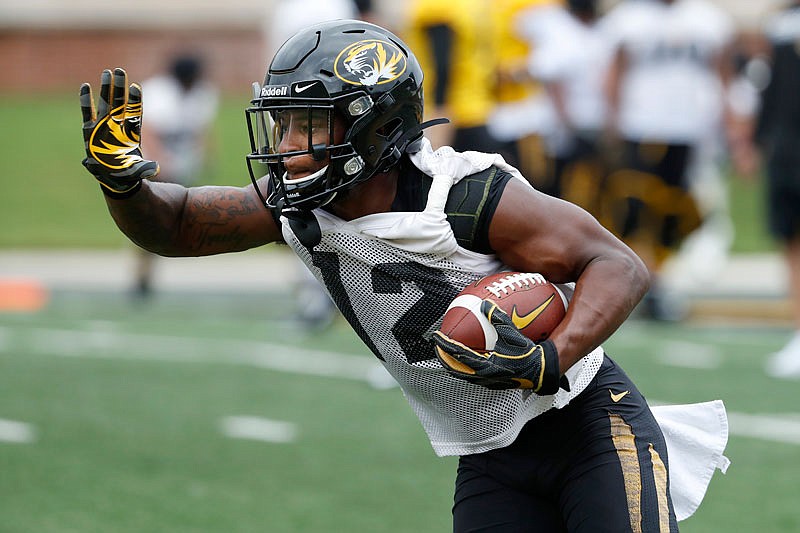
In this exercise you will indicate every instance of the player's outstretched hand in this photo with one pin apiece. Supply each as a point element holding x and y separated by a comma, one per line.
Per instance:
<point>111,134</point>
<point>515,363</point>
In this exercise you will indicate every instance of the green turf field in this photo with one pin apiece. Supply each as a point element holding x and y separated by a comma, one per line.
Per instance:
<point>50,200</point>
<point>126,408</point>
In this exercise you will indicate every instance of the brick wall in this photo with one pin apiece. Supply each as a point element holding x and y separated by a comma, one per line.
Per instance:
<point>57,59</point>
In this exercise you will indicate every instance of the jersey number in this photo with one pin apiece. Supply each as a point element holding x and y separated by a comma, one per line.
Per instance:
<point>388,278</point>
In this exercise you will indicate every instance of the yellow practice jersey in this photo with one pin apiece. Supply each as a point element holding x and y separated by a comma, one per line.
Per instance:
<point>468,96</point>
<point>510,50</point>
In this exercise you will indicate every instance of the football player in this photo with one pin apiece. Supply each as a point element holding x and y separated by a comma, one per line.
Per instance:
<point>448,38</point>
<point>777,135</point>
<point>551,436</point>
<point>666,102</point>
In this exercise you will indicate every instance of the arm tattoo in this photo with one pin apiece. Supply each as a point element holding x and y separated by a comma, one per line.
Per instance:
<point>216,220</point>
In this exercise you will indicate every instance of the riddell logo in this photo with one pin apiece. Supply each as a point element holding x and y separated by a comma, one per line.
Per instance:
<point>274,90</point>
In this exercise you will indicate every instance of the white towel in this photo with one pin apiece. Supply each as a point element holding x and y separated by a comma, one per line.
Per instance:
<point>428,231</point>
<point>696,436</point>
<point>448,162</point>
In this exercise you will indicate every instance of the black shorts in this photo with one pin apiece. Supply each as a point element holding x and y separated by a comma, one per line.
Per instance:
<point>597,465</point>
<point>648,199</point>
<point>783,197</point>
<point>667,161</point>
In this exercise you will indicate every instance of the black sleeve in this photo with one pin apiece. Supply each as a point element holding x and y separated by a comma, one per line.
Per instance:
<point>441,39</point>
<point>471,205</point>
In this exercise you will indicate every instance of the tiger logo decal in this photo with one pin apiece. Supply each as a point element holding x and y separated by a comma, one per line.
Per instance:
<point>370,62</point>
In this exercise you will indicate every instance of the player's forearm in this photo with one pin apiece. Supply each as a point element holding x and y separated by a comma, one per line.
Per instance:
<point>607,291</point>
<point>171,220</point>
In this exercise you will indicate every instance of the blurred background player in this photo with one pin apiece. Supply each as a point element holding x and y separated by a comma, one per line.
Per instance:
<point>181,108</point>
<point>572,62</point>
<point>522,115</point>
<point>666,95</point>
<point>449,38</point>
<point>778,136</point>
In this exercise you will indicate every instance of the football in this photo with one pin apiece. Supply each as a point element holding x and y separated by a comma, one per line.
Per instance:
<point>534,304</point>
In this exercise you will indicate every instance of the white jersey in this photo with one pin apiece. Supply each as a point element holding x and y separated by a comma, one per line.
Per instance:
<point>577,57</point>
<point>671,91</point>
<point>181,120</point>
<point>534,114</point>
<point>392,275</point>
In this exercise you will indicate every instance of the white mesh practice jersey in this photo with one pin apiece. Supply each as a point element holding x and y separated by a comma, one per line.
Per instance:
<point>671,91</point>
<point>392,275</point>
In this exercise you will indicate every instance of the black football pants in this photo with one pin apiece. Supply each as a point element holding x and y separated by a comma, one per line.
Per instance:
<point>597,465</point>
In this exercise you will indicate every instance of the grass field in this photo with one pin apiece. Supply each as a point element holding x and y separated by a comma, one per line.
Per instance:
<point>125,410</point>
<point>47,197</point>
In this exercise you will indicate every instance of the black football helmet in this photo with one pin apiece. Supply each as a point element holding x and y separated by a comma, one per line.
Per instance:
<point>353,69</point>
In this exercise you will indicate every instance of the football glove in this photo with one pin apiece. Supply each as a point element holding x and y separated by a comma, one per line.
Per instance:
<point>111,134</point>
<point>515,363</point>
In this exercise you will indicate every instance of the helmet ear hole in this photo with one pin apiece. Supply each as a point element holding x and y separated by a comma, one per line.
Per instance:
<point>388,129</point>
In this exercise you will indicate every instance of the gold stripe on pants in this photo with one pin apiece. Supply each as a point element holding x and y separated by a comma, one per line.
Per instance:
<point>625,444</point>
<point>660,476</point>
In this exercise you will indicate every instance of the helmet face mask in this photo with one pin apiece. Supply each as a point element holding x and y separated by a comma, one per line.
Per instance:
<point>345,94</point>
<point>306,132</point>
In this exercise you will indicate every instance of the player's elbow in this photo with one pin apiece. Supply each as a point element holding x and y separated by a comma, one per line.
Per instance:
<point>637,274</point>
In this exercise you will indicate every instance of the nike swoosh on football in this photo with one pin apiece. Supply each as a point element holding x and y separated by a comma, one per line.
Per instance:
<point>299,89</point>
<point>522,322</point>
<point>617,397</point>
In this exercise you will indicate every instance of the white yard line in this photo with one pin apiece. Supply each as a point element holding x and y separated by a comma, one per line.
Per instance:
<point>257,428</point>
<point>117,345</point>
<point>105,344</point>
<point>689,355</point>
<point>16,432</point>
<point>776,428</point>
<point>640,336</point>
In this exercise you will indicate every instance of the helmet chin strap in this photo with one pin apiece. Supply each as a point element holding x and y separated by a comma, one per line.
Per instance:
<point>413,146</point>
<point>310,177</point>
<point>317,174</point>
<point>413,134</point>
<point>305,227</point>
